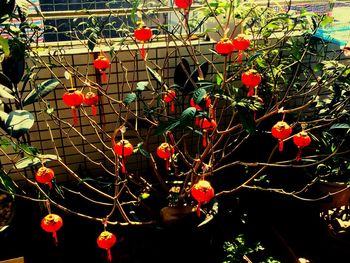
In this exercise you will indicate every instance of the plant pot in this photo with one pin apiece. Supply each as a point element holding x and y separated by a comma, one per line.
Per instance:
<point>335,194</point>
<point>171,215</point>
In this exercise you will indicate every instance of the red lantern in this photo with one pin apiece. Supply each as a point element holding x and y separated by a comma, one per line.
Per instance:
<point>241,43</point>
<point>44,176</point>
<point>52,223</point>
<point>102,63</point>
<point>91,99</point>
<point>169,97</point>
<point>281,131</point>
<point>123,148</point>
<point>143,34</point>
<point>183,4</point>
<point>202,192</point>
<point>224,47</point>
<point>165,151</point>
<point>207,102</point>
<point>206,125</point>
<point>301,139</point>
<point>106,240</point>
<point>73,98</point>
<point>251,79</point>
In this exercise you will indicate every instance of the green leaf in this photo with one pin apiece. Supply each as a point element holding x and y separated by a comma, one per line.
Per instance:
<point>41,91</point>
<point>326,21</point>
<point>19,122</point>
<point>340,126</point>
<point>187,116</point>
<point>166,126</point>
<point>5,46</point>
<point>39,159</point>
<point>130,98</point>
<point>199,95</point>
<point>155,75</point>
<point>4,143</point>
<point>246,119</point>
<point>142,85</point>
<point>5,92</point>
<point>141,150</point>
<point>7,182</point>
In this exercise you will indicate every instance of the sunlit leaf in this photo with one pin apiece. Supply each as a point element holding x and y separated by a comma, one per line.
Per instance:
<point>41,91</point>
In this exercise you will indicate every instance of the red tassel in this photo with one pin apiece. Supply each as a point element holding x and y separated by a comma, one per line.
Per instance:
<point>54,235</point>
<point>204,138</point>
<point>104,76</point>
<point>251,91</point>
<point>240,56</point>
<point>298,158</point>
<point>93,110</point>
<point>143,52</point>
<point>50,185</point>
<point>199,209</point>
<point>109,255</point>
<point>281,143</point>
<point>172,106</point>
<point>75,116</point>
<point>123,165</point>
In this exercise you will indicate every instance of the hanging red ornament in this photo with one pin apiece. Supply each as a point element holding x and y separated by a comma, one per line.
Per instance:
<point>206,102</point>
<point>202,192</point>
<point>123,148</point>
<point>281,131</point>
<point>183,4</point>
<point>52,223</point>
<point>169,97</point>
<point>206,125</point>
<point>143,34</point>
<point>251,79</point>
<point>106,240</point>
<point>301,139</point>
<point>102,63</point>
<point>73,98</point>
<point>241,43</point>
<point>224,47</point>
<point>45,175</point>
<point>165,151</point>
<point>91,99</point>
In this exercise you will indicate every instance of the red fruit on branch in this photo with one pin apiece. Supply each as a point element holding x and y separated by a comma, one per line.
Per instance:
<point>45,175</point>
<point>102,63</point>
<point>202,192</point>
<point>183,4</point>
<point>251,79</point>
<point>169,97</point>
<point>106,240</point>
<point>301,140</point>
<point>206,101</point>
<point>143,34</point>
<point>123,148</point>
<point>224,47</point>
<point>281,131</point>
<point>52,223</point>
<point>91,99</point>
<point>241,43</point>
<point>165,151</point>
<point>206,125</point>
<point>73,98</point>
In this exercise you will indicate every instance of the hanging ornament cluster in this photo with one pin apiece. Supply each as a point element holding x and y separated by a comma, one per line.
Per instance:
<point>52,223</point>
<point>301,140</point>
<point>143,34</point>
<point>102,63</point>
<point>165,151</point>
<point>251,79</point>
<point>202,192</point>
<point>206,102</point>
<point>281,131</point>
<point>45,175</point>
<point>91,99</point>
<point>169,97</point>
<point>73,98</point>
<point>241,43</point>
<point>224,47</point>
<point>207,125</point>
<point>106,240</point>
